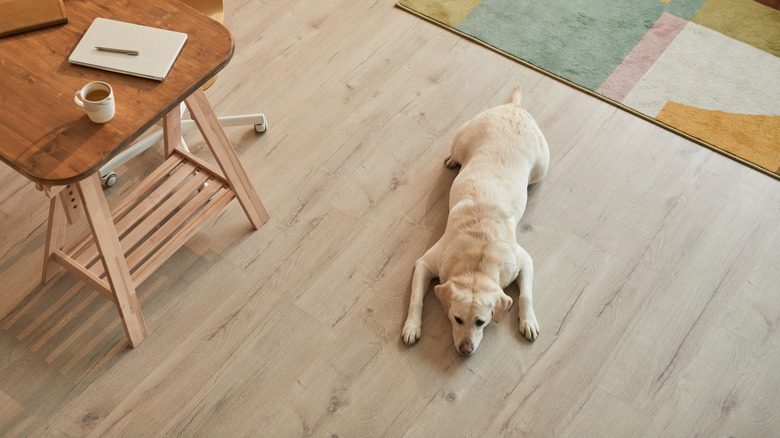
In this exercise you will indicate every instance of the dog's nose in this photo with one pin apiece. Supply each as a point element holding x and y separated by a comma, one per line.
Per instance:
<point>465,348</point>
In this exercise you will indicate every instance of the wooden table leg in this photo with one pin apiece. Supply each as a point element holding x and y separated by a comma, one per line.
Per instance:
<point>226,157</point>
<point>55,235</point>
<point>64,205</point>
<point>99,216</point>
<point>104,231</point>
<point>172,131</point>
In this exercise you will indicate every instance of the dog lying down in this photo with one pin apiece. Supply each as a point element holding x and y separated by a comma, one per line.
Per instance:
<point>501,151</point>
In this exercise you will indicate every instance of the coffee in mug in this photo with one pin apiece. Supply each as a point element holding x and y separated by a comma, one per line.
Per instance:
<point>97,95</point>
<point>97,100</point>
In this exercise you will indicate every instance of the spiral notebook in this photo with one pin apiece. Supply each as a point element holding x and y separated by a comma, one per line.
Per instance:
<point>156,49</point>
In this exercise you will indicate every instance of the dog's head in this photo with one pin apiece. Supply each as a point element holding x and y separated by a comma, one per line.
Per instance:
<point>471,306</point>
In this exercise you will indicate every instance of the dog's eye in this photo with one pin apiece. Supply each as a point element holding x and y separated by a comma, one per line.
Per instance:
<point>458,320</point>
<point>480,323</point>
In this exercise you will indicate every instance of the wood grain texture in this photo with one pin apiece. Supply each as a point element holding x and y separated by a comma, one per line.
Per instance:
<point>47,138</point>
<point>226,157</point>
<point>55,234</point>
<point>22,16</point>
<point>112,258</point>
<point>656,265</point>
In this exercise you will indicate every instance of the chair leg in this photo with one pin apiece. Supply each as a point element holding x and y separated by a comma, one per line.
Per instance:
<point>226,157</point>
<point>128,154</point>
<point>259,122</point>
<point>118,275</point>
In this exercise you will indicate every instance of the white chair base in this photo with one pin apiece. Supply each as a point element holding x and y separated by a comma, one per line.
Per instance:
<point>109,177</point>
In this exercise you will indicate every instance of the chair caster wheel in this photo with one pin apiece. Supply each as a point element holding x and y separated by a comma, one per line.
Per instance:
<point>109,180</point>
<point>262,126</point>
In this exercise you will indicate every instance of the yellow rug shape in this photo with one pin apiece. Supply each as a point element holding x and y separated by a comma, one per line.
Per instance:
<point>744,20</point>
<point>449,13</point>
<point>755,138</point>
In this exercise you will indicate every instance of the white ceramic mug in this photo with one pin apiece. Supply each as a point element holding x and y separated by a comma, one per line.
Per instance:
<point>97,99</point>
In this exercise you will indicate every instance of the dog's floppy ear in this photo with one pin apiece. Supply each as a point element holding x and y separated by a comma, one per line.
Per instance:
<point>444,294</point>
<point>503,304</point>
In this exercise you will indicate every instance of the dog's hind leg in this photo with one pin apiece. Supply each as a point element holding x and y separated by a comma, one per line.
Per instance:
<point>450,162</point>
<point>424,271</point>
<point>528,325</point>
<point>464,143</point>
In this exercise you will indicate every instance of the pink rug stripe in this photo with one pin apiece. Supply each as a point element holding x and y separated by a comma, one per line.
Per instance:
<point>642,57</point>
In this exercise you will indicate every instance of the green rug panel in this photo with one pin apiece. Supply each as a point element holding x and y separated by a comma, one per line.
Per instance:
<point>706,69</point>
<point>579,45</point>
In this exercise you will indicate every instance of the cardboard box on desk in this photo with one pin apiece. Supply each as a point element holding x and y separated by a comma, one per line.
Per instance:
<point>18,16</point>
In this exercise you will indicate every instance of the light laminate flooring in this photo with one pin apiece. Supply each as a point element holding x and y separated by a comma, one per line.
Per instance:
<point>656,287</point>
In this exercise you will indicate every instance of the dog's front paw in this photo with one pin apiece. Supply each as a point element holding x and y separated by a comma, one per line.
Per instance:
<point>451,163</point>
<point>412,331</point>
<point>529,327</point>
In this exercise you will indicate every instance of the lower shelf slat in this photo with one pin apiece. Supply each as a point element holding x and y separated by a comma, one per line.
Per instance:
<point>175,240</point>
<point>155,220</point>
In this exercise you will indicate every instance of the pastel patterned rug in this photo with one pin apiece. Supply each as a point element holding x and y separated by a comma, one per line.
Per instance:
<point>706,69</point>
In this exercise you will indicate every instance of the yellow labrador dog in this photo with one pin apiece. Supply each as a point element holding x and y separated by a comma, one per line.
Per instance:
<point>501,151</point>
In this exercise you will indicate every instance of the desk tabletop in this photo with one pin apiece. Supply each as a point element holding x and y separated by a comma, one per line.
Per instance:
<point>45,136</point>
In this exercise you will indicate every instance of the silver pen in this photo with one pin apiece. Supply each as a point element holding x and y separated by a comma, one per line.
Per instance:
<point>111,49</point>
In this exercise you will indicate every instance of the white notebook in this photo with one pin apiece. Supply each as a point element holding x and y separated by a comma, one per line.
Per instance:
<point>157,48</point>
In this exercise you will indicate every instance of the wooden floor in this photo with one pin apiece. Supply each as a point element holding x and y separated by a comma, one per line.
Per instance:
<point>657,265</point>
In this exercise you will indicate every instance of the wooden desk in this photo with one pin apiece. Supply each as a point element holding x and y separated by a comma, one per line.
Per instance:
<point>48,139</point>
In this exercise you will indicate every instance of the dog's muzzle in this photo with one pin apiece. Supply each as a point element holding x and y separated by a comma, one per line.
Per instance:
<point>465,348</point>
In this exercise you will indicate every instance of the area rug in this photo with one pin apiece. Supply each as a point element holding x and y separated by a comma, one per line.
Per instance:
<point>706,69</point>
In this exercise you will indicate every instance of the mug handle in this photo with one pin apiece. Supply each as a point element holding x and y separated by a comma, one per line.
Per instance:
<point>77,98</point>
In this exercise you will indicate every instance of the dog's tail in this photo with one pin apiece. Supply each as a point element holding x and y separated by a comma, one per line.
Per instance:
<point>515,99</point>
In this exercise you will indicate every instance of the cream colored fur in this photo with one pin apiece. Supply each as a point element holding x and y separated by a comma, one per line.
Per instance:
<point>501,151</point>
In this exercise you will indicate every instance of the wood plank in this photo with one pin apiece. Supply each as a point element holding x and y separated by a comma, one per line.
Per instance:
<point>201,164</point>
<point>111,254</point>
<point>71,203</point>
<point>55,238</point>
<point>162,211</point>
<point>79,244</point>
<point>223,151</point>
<point>130,214</point>
<point>146,185</point>
<point>84,274</point>
<point>172,131</point>
<point>175,232</point>
<point>655,285</point>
